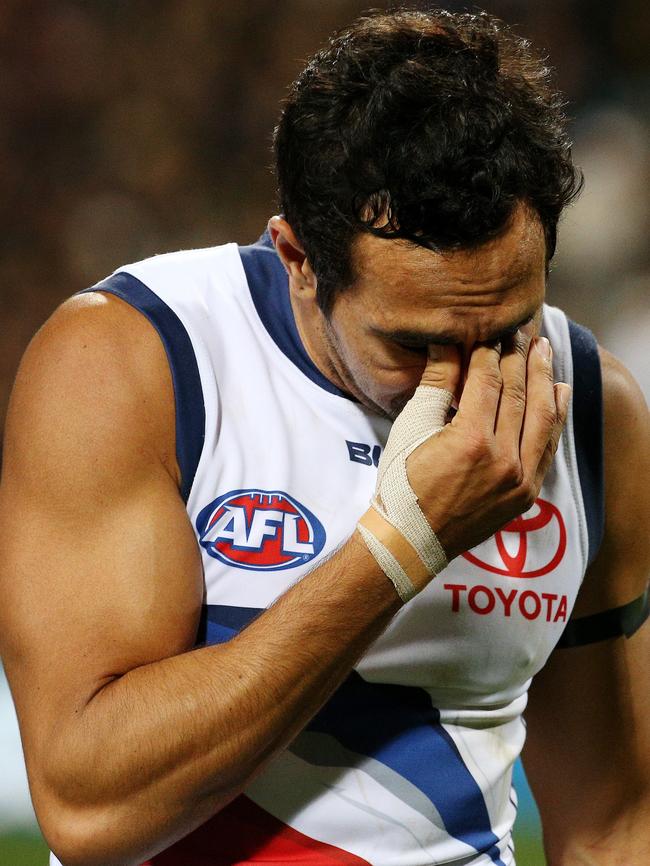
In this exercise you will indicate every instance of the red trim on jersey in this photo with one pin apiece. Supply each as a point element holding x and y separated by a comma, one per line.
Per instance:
<point>244,833</point>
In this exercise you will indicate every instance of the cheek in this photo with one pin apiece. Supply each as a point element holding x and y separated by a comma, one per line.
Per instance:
<point>395,383</point>
<point>386,378</point>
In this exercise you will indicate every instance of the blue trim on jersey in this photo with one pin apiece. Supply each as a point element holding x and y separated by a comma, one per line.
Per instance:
<point>396,725</point>
<point>220,622</point>
<point>588,430</point>
<point>269,288</point>
<point>188,393</point>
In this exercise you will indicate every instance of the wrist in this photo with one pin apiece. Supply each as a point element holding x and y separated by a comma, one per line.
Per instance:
<point>395,555</point>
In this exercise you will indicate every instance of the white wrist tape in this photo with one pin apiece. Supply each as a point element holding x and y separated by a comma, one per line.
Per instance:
<point>412,554</point>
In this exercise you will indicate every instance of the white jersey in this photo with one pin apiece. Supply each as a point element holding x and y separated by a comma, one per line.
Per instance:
<point>410,762</point>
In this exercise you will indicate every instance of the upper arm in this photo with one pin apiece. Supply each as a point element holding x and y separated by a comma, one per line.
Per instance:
<point>588,745</point>
<point>622,567</point>
<point>100,571</point>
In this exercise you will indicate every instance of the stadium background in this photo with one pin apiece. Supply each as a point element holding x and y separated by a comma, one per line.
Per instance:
<point>133,127</point>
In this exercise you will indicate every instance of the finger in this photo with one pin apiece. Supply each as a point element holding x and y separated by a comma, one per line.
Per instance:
<point>540,415</point>
<point>562,394</point>
<point>510,416</point>
<point>443,368</point>
<point>480,398</point>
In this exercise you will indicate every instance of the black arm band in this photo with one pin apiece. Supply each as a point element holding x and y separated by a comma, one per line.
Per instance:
<point>619,622</point>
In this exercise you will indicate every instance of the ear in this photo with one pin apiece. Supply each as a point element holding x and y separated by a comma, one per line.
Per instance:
<point>302,279</point>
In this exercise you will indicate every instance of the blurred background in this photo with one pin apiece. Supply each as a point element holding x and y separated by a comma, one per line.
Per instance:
<point>134,127</point>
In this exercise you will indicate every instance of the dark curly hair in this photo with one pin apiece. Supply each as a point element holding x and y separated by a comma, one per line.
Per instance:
<point>428,126</point>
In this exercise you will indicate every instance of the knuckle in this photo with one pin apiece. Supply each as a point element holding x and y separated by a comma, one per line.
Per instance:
<point>509,472</point>
<point>527,494</point>
<point>529,501</point>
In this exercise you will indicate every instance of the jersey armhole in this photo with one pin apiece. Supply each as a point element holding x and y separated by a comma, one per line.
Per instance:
<point>269,290</point>
<point>588,431</point>
<point>186,379</point>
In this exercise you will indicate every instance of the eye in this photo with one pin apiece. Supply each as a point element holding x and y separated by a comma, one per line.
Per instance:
<point>415,348</point>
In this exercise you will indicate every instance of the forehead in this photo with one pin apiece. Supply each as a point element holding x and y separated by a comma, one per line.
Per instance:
<point>400,285</point>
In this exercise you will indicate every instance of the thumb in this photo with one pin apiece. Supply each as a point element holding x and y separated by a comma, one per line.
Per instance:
<point>443,368</point>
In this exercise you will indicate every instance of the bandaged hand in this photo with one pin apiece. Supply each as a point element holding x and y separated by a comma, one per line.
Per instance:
<point>444,487</point>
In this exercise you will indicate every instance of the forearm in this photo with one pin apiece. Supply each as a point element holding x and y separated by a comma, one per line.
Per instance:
<point>586,754</point>
<point>186,734</point>
<point>624,838</point>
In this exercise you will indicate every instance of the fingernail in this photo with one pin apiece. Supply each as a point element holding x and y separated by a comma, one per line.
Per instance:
<point>543,347</point>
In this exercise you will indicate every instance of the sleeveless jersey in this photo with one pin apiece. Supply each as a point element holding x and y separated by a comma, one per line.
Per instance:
<point>410,762</point>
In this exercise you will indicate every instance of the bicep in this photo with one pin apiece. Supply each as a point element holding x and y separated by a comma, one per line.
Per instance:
<point>100,571</point>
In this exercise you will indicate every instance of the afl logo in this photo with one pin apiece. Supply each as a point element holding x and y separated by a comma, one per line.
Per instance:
<point>260,530</point>
<point>543,525</point>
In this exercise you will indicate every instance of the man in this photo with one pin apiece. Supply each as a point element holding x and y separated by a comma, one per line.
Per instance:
<point>210,663</point>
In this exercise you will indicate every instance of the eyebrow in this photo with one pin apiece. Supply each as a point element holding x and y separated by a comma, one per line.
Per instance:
<point>423,338</point>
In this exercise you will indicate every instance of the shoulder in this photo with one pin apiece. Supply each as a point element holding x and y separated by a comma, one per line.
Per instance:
<point>624,406</point>
<point>182,273</point>
<point>626,447</point>
<point>93,385</point>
